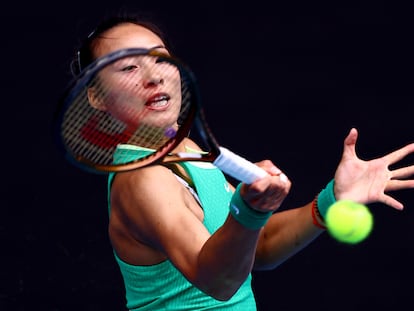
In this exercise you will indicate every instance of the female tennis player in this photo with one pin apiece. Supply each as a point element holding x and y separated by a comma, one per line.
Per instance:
<point>186,239</point>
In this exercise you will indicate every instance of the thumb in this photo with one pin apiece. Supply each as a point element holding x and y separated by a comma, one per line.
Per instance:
<point>349,144</point>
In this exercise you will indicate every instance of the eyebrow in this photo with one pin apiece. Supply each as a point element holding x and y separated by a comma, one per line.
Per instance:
<point>158,47</point>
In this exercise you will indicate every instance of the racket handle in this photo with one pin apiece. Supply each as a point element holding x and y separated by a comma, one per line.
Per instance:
<point>238,167</point>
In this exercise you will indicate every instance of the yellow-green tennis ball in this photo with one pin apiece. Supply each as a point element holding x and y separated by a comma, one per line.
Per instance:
<point>349,222</point>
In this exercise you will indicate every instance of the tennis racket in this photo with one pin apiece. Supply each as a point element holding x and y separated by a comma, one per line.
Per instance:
<point>132,108</point>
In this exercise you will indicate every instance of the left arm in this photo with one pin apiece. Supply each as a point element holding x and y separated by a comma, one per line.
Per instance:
<point>284,235</point>
<point>364,182</point>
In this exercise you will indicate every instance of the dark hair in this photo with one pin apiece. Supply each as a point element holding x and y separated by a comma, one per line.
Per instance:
<point>84,54</point>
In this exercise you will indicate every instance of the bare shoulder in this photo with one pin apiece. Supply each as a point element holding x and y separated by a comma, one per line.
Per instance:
<point>142,194</point>
<point>146,206</point>
<point>140,183</point>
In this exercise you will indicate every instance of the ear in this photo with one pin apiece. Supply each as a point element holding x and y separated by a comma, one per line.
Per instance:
<point>96,100</point>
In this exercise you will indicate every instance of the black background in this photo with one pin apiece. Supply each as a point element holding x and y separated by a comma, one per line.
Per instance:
<point>280,80</point>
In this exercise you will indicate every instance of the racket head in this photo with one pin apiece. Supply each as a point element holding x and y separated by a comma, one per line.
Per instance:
<point>113,117</point>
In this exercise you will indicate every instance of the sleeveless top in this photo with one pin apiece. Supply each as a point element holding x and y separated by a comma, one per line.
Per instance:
<point>162,286</point>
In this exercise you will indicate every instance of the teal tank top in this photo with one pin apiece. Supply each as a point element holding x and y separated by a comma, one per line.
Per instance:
<point>162,286</point>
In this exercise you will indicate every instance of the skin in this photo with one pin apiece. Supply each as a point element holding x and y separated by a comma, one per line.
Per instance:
<point>150,224</point>
<point>136,80</point>
<point>144,94</point>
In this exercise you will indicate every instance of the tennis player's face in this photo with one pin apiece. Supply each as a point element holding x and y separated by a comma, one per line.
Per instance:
<point>142,90</point>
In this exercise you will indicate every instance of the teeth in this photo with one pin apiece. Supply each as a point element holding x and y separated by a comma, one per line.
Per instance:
<point>159,103</point>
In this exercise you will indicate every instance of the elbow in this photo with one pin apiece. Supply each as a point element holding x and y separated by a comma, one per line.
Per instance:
<point>221,290</point>
<point>221,294</point>
<point>222,284</point>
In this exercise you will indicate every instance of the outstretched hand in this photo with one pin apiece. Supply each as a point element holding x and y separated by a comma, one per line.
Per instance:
<point>371,181</point>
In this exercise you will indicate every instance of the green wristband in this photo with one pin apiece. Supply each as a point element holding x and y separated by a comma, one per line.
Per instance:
<point>244,214</point>
<point>326,198</point>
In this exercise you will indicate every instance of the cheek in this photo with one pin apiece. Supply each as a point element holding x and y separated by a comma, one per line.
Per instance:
<point>125,108</point>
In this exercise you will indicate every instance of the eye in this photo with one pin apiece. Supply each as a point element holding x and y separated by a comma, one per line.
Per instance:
<point>160,60</point>
<point>130,68</point>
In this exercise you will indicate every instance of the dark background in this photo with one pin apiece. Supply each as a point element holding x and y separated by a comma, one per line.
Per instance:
<point>291,78</point>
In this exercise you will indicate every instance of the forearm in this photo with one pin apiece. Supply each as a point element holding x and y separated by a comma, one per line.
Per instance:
<point>226,259</point>
<point>285,234</point>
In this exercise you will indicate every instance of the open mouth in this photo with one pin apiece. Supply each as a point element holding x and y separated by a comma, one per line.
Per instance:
<point>158,101</point>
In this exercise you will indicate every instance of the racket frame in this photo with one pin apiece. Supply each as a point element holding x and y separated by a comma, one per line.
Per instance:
<point>195,118</point>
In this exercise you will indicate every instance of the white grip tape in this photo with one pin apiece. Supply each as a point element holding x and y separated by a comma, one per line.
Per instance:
<point>238,167</point>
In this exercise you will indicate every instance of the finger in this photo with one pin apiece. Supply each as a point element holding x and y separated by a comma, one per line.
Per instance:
<point>394,185</point>
<point>270,201</point>
<point>283,178</point>
<point>399,154</point>
<point>264,188</point>
<point>273,170</point>
<point>269,185</point>
<point>390,201</point>
<point>403,172</point>
<point>269,167</point>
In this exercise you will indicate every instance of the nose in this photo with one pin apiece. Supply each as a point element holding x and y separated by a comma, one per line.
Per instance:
<point>153,82</point>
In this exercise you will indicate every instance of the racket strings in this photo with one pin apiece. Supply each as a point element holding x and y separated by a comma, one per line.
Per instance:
<point>93,134</point>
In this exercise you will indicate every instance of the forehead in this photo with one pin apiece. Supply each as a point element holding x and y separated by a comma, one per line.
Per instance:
<point>124,36</point>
